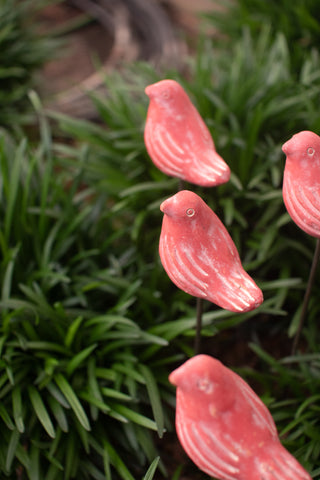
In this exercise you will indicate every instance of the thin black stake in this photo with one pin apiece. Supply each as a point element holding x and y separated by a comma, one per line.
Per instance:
<point>307,294</point>
<point>181,185</point>
<point>197,342</point>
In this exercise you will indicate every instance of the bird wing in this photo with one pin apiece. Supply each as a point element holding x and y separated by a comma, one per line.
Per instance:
<point>208,165</point>
<point>259,412</point>
<point>205,167</point>
<point>165,152</point>
<point>303,205</point>
<point>209,451</point>
<point>276,463</point>
<point>182,266</point>
<point>195,269</point>
<point>190,156</point>
<point>229,285</point>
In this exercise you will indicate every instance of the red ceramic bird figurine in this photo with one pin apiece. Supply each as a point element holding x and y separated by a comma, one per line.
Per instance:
<point>177,139</point>
<point>301,181</point>
<point>225,428</point>
<point>200,257</point>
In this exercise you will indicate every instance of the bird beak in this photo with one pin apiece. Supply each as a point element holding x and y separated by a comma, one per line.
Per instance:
<point>150,90</point>
<point>163,206</point>
<point>286,147</point>
<point>176,376</point>
<point>147,91</point>
<point>166,206</point>
<point>290,146</point>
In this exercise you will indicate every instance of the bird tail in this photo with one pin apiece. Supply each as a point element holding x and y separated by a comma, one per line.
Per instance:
<point>240,292</point>
<point>279,464</point>
<point>210,169</point>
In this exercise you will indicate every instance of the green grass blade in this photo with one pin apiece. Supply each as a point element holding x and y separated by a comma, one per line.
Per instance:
<point>12,447</point>
<point>135,417</point>
<point>6,417</point>
<point>79,358</point>
<point>152,469</point>
<point>73,400</point>
<point>41,411</point>
<point>34,466</point>
<point>117,462</point>
<point>13,188</point>
<point>72,457</point>
<point>72,330</point>
<point>106,462</point>
<point>58,413</point>
<point>17,409</point>
<point>154,397</point>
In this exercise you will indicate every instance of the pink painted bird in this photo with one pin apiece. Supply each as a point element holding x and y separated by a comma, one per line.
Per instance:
<point>177,139</point>
<point>225,428</point>
<point>301,181</point>
<point>200,257</point>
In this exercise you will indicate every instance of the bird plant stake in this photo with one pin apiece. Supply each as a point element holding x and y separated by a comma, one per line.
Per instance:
<point>301,196</point>
<point>180,145</point>
<point>200,257</point>
<point>225,428</point>
<point>177,139</point>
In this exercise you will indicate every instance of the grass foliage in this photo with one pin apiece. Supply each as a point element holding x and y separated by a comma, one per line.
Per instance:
<point>299,22</point>
<point>90,323</point>
<point>249,121</point>
<point>291,390</point>
<point>23,51</point>
<point>76,400</point>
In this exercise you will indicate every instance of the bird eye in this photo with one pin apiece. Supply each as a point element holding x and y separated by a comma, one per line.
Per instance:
<point>310,151</point>
<point>205,385</point>
<point>165,94</point>
<point>190,212</point>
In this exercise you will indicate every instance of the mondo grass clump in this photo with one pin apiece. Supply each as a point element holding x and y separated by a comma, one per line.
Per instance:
<point>90,324</point>
<point>249,120</point>
<point>24,50</point>
<point>77,398</point>
<point>290,387</point>
<point>253,100</point>
<point>298,21</point>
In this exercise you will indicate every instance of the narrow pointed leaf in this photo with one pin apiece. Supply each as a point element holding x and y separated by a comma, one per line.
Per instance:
<point>79,358</point>
<point>6,417</point>
<point>152,469</point>
<point>135,417</point>
<point>58,413</point>
<point>72,398</point>
<point>17,409</point>
<point>41,411</point>
<point>118,463</point>
<point>12,446</point>
<point>154,397</point>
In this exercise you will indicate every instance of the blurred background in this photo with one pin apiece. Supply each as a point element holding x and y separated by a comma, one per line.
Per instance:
<point>111,33</point>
